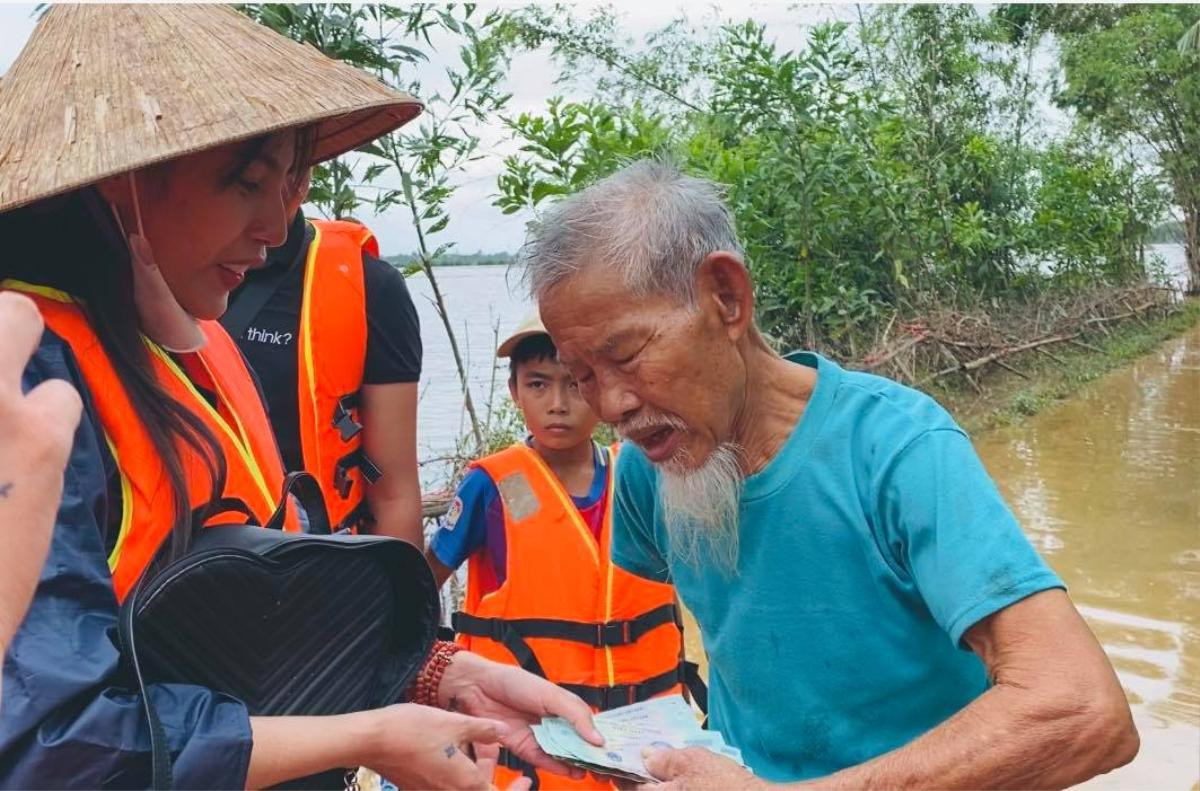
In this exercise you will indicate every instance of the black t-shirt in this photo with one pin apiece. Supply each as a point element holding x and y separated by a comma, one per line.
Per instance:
<point>393,333</point>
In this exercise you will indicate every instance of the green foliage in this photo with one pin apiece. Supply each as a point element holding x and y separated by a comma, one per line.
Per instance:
<point>896,168</point>
<point>415,168</point>
<point>1136,75</point>
<point>571,146</point>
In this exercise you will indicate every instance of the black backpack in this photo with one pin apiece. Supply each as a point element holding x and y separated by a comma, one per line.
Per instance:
<point>288,623</point>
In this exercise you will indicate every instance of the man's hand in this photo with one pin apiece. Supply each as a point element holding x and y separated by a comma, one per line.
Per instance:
<point>483,688</point>
<point>697,768</point>
<point>36,432</point>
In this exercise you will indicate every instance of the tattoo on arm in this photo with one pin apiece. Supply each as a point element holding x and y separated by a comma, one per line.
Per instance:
<point>450,750</point>
<point>5,488</point>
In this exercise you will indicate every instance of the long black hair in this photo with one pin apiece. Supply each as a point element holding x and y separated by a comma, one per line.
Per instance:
<point>72,243</point>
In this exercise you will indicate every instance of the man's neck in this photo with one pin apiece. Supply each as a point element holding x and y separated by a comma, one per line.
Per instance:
<point>574,466</point>
<point>777,393</point>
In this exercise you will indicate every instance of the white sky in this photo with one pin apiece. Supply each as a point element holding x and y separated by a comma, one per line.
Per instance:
<point>476,224</point>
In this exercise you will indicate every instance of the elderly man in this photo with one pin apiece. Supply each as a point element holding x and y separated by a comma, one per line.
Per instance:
<point>873,614</point>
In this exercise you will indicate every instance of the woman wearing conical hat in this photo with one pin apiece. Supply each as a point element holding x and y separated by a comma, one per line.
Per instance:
<point>145,156</point>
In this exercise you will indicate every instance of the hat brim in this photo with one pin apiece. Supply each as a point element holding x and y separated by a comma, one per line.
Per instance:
<point>128,93</point>
<point>509,346</point>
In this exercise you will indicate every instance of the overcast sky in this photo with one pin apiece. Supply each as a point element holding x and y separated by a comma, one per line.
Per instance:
<point>475,223</point>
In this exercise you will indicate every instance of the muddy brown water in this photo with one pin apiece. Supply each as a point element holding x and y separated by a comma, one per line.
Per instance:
<point>1107,486</point>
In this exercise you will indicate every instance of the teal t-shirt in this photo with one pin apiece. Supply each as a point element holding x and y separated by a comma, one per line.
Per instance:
<point>867,547</point>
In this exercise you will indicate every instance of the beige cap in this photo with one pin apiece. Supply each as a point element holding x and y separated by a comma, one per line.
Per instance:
<point>100,90</point>
<point>530,325</point>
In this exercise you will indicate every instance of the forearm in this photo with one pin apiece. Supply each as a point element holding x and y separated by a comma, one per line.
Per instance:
<point>28,504</point>
<point>289,747</point>
<point>389,418</point>
<point>441,572</point>
<point>1007,738</point>
<point>396,510</point>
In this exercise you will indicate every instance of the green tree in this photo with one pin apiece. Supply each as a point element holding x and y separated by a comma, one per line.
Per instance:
<point>893,170</point>
<point>415,167</point>
<point>1126,73</point>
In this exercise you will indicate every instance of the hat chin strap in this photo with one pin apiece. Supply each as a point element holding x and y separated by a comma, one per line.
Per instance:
<point>163,319</point>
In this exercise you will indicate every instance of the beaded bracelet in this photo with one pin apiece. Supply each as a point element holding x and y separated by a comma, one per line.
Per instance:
<point>425,689</point>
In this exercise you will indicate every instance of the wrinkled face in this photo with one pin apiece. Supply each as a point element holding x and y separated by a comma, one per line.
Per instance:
<point>555,413</point>
<point>668,375</point>
<point>210,216</point>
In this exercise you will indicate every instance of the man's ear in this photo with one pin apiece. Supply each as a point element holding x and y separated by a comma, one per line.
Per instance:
<point>512,390</point>
<point>723,282</point>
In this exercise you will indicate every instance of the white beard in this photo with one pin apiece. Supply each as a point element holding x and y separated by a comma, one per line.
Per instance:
<point>700,507</point>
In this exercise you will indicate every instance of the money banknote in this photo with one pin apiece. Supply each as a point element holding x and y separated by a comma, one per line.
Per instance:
<point>627,731</point>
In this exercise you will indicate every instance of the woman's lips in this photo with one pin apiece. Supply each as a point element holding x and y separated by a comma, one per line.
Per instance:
<point>231,275</point>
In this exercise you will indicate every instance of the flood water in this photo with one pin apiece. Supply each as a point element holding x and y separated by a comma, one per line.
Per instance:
<point>1107,486</point>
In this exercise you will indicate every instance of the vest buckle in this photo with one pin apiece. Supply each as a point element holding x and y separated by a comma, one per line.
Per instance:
<point>355,459</point>
<point>618,695</point>
<point>343,420</point>
<point>611,634</point>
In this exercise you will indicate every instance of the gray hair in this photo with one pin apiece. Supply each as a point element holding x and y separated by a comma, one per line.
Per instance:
<point>648,221</point>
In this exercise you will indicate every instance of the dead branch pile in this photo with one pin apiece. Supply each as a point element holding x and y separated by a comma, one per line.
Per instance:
<point>947,342</point>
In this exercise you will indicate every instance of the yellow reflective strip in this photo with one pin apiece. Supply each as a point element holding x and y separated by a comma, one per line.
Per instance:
<point>126,508</point>
<point>589,541</point>
<point>251,459</point>
<point>247,456</point>
<point>310,371</point>
<point>560,491</point>
<point>609,488</point>
<point>13,284</point>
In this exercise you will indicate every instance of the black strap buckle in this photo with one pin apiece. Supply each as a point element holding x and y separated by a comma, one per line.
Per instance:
<point>618,695</point>
<point>343,418</point>
<point>355,459</point>
<point>612,633</point>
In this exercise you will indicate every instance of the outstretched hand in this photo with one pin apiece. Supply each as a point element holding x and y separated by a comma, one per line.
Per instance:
<point>518,699</point>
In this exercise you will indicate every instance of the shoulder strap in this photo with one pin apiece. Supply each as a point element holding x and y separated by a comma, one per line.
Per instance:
<point>256,293</point>
<point>308,494</point>
<point>162,769</point>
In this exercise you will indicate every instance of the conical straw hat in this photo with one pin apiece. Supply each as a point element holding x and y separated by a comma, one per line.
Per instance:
<point>99,90</point>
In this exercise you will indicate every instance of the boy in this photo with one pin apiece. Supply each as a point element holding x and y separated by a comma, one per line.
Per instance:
<point>533,522</point>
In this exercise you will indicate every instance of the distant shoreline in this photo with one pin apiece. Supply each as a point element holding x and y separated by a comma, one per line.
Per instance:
<point>403,261</point>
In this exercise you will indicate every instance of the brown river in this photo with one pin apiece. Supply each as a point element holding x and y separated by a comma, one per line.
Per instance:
<point>1107,486</point>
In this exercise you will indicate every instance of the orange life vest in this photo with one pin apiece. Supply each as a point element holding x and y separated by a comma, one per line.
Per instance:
<point>564,610</point>
<point>254,479</point>
<point>332,354</point>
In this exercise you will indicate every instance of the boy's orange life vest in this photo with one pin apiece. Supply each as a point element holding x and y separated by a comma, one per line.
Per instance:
<point>332,354</point>
<point>564,610</point>
<point>254,479</point>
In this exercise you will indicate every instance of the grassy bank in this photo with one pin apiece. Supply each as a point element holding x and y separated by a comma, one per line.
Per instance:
<point>1008,398</point>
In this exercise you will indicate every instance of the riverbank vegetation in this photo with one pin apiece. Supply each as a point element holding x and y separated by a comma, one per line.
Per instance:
<point>921,190</point>
<point>1043,378</point>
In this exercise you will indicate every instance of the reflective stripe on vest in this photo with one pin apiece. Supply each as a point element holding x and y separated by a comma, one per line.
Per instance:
<point>254,477</point>
<point>332,354</point>
<point>564,608</point>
